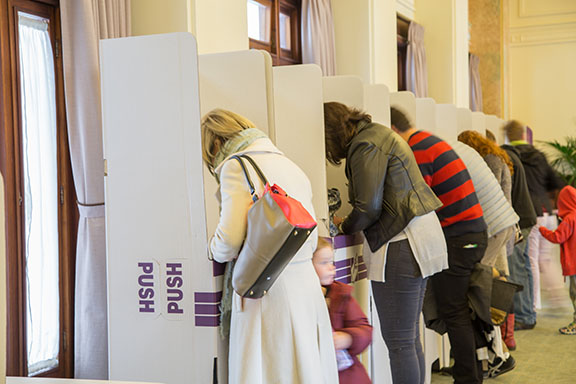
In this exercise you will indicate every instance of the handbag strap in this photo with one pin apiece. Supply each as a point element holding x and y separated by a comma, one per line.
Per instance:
<point>248,179</point>
<point>256,168</point>
<point>247,175</point>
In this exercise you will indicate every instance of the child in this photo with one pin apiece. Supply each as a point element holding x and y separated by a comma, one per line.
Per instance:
<point>565,235</point>
<point>352,332</point>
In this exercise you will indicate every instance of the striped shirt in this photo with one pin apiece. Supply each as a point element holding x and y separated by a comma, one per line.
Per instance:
<point>448,177</point>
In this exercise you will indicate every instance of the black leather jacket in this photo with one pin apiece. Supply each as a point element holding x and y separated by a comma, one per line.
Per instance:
<point>385,186</point>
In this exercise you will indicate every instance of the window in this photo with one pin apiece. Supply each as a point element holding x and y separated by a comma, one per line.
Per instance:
<point>274,26</point>
<point>40,199</point>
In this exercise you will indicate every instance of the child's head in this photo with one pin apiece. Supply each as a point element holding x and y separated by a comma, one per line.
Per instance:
<point>323,260</point>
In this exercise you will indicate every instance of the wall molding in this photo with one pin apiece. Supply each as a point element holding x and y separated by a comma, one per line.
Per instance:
<point>406,8</point>
<point>551,34</point>
<point>525,12</point>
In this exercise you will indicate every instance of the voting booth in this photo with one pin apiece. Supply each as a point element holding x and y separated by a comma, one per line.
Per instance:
<point>464,117</point>
<point>478,122</point>
<point>163,301</point>
<point>426,114</point>
<point>299,128</point>
<point>494,124</point>
<point>350,266</point>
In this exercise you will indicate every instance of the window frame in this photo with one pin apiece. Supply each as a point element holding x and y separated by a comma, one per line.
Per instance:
<point>282,56</point>
<point>402,25</point>
<point>10,166</point>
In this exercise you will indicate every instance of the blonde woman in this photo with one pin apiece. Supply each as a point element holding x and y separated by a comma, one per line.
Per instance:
<point>286,336</point>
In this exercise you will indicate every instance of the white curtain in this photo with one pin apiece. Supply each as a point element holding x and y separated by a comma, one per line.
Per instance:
<point>475,84</point>
<point>318,46</point>
<point>84,22</point>
<point>40,184</point>
<point>416,72</point>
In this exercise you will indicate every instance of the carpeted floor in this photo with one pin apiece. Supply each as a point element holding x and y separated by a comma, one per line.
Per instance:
<point>543,355</point>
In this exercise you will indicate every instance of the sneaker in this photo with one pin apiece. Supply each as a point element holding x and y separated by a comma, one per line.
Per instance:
<point>570,329</point>
<point>518,326</point>
<point>499,367</point>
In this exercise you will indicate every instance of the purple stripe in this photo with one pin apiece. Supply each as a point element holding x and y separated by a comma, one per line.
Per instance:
<point>342,272</point>
<point>343,241</point>
<point>347,262</point>
<point>342,263</point>
<point>218,268</point>
<point>207,321</point>
<point>206,309</point>
<point>207,297</point>
<point>363,275</point>
<point>345,280</point>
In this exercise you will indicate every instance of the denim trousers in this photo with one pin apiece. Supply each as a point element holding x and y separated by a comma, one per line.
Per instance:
<point>521,273</point>
<point>450,289</point>
<point>399,304</point>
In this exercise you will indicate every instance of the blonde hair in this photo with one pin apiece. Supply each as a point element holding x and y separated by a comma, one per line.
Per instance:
<point>323,243</point>
<point>218,126</point>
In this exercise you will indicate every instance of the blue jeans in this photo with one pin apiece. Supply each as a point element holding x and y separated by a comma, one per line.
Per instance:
<point>521,273</point>
<point>399,303</point>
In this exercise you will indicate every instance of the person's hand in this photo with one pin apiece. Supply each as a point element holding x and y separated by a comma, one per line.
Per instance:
<point>337,220</point>
<point>342,340</point>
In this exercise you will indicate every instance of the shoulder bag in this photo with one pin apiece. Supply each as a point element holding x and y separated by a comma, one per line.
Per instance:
<point>278,226</point>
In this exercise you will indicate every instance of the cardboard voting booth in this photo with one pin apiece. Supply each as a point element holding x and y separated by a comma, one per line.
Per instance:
<point>163,303</point>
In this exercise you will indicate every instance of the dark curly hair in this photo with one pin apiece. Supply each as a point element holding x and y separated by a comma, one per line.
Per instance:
<point>340,126</point>
<point>485,147</point>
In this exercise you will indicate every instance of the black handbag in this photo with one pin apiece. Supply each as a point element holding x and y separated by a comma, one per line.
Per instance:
<point>278,226</point>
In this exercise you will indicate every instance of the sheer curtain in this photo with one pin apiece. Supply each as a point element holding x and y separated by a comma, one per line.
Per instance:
<point>475,84</point>
<point>84,23</point>
<point>318,46</point>
<point>40,192</point>
<point>416,72</point>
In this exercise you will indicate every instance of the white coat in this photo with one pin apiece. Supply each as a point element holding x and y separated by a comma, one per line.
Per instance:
<point>285,337</point>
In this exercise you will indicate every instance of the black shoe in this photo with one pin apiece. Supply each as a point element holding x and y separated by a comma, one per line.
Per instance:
<point>499,367</point>
<point>518,326</point>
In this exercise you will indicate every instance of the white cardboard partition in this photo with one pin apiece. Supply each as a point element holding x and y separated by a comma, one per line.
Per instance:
<point>347,90</point>
<point>406,102</point>
<point>242,83</point>
<point>426,114</point>
<point>2,283</point>
<point>464,116</point>
<point>479,122</point>
<point>494,124</point>
<point>299,128</point>
<point>162,299</point>
<point>446,122</point>
<point>377,102</point>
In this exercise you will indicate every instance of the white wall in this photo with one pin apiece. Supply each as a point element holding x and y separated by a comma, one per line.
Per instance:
<point>365,32</point>
<point>219,26</point>
<point>153,16</point>
<point>541,62</point>
<point>446,39</point>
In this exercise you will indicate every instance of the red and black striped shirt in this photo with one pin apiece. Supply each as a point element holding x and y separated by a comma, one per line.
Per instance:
<point>448,177</point>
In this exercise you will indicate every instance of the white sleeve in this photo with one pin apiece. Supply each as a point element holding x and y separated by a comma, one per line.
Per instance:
<point>236,202</point>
